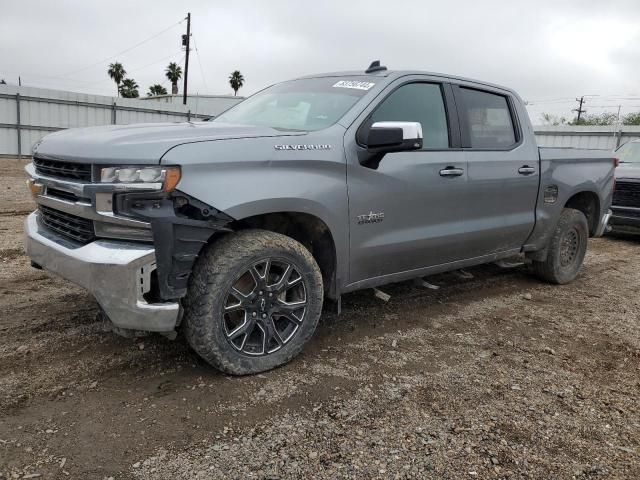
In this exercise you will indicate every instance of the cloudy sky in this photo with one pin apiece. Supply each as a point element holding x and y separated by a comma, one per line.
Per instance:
<point>549,51</point>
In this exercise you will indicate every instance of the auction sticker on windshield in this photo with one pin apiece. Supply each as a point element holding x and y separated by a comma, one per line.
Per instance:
<point>353,84</point>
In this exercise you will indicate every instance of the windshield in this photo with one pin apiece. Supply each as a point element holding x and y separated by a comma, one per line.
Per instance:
<point>629,153</point>
<point>307,104</point>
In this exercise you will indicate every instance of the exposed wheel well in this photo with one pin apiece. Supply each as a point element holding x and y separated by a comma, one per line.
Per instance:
<point>589,204</point>
<point>307,229</point>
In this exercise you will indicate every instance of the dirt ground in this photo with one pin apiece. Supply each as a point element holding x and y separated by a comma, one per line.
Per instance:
<point>499,376</point>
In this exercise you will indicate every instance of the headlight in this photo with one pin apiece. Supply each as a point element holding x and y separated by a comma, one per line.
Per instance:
<point>167,176</point>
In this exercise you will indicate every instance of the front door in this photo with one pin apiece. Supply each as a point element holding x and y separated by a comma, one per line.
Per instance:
<point>410,212</point>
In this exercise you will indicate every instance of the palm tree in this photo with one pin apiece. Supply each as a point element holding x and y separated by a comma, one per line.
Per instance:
<point>116,72</point>
<point>156,89</point>
<point>236,80</point>
<point>129,88</point>
<point>173,73</point>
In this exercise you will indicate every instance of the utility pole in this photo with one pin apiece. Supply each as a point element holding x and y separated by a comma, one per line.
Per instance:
<point>185,42</point>
<point>617,129</point>
<point>579,109</point>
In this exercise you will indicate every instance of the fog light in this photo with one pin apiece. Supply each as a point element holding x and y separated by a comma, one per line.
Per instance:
<point>121,232</point>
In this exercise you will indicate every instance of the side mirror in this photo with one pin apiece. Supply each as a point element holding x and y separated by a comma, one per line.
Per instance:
<point>387,137</point>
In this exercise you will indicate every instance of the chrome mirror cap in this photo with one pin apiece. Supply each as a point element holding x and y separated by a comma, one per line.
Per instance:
<point>410,130</point>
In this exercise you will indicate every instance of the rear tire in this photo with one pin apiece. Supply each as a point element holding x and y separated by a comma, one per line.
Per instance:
<point>254,301</point>
<point>566,249</point>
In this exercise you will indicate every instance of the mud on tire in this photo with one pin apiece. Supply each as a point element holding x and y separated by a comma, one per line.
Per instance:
<point>566,249</point>
<point>254,300</point>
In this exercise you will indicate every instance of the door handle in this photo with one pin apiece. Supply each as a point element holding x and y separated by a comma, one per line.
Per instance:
<point>526,170</point>
<point>451,172</point>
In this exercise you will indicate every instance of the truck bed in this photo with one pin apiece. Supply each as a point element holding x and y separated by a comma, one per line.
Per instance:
<point>573,154</point>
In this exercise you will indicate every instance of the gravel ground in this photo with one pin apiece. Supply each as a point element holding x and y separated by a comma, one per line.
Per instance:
<point>499,376</point>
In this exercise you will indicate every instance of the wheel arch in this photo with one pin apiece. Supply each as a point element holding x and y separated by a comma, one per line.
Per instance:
<point>308,229</point>
<point>588,202</point>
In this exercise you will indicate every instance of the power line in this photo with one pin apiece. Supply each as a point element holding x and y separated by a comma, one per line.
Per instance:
<point>90,83</point>
<point>126,50</point>
<point>173,55</point>
<point>547,102</point>
<point>204,80</point>
<point>570,100</point>
<point>612,99</point>
<point>614,106</point>
<point>551,100</point>
<point>35,75</point>
<point>621,97</point>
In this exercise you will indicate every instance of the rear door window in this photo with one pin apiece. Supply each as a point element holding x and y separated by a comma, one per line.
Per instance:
<point>488,119</point>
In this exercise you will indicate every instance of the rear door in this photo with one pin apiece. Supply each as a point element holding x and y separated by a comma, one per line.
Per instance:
<point>408,213</point>
<point>502,170</point>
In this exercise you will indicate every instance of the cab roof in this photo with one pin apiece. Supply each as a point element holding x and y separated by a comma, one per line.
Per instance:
<point>391,75</point>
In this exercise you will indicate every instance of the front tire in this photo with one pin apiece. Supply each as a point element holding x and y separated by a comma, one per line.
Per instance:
<point>566,249</point>
<point>254,301</point>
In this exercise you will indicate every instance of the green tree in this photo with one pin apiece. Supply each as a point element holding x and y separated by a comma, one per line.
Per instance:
<point>236,80</point>
<point>173,73</point>
<point>129,88</point>
<point>599,119</point>
<point>156,89</point>
<point>116,72</point>
<point>2,82</point>
<point>631,119</point>
<point>549,119</point>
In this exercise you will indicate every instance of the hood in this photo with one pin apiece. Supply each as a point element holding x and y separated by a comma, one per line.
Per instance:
<point>628,170</point>
<point>143,143</point>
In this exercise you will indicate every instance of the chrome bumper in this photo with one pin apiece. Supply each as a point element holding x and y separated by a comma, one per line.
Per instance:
<point>626,217</point>
<point>604,221</point>
<point>117,273</point>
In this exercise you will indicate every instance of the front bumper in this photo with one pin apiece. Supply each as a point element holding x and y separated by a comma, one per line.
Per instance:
<point>626,215</point>
<point>626,219</point>
<point>117,273</point>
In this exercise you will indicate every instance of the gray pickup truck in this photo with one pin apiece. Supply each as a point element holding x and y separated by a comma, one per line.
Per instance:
<point>237,229</point>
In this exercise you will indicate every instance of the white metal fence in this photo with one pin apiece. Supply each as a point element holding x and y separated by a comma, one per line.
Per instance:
<point>601,138</point>
<point>27,114</point>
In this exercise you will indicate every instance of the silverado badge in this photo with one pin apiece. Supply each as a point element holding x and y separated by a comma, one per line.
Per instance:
<point>370,218</point>
<point>303,147</point>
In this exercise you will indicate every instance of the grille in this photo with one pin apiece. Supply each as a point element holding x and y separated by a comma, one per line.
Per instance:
<point>64,170</point>
<point>627,194</point>
<point>626,213</point>
<point>69,226</point>
<point>54,192</point>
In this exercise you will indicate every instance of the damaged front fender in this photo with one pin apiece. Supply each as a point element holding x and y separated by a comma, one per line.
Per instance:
<point>181,226</point>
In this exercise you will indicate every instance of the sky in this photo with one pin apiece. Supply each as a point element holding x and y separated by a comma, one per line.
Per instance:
<point>549,51</point>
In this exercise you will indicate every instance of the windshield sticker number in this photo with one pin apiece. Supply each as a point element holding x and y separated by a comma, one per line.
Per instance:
<point>353,84</point>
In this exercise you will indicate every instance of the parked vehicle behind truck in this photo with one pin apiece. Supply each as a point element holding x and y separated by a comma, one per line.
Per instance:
<point>237,229</point>
<point>626,199</point>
